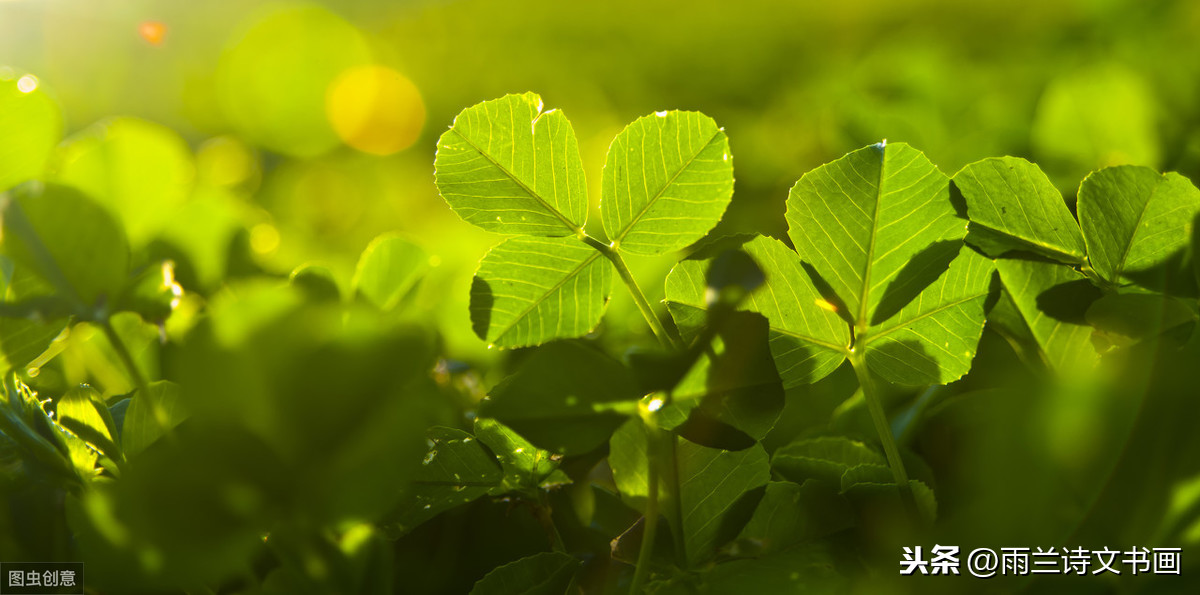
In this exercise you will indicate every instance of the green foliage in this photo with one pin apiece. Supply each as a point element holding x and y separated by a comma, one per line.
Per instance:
<point>530,290</point>
<point>508,167</point>
<point>32,125</point>
<point>73,245</point>
<point>139,170</point>
<point>455,471</point>
<point>1040,221</point>
<point>1134,219</point>
<point>541,574</point>
<point>807,337</point>
<point>564,398</point>
<point>388,270</point>
<point>667,180</point>
<point>311,424</point>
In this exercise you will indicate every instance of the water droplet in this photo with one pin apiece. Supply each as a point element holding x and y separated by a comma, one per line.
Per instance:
<point>655,404</point>
<point>518,451</point>
<point>427,507</point>
<point>466,440</point>
<point>661,114</point>
<point>429,457</point>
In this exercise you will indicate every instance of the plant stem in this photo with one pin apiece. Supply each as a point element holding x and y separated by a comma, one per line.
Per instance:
<point>126,358</point>
<point>135,374</point>
<point>543,512</point>
<point>884,429</point>
<point>650,528</point>
<point>639,298</point>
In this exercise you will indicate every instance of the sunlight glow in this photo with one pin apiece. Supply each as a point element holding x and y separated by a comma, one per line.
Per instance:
<point>375,109</point>
<point>27,84</point>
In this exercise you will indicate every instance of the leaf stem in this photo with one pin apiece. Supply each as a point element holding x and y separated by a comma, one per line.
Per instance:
<point>135,374</point>
<point>656,325</point>
<point>650,528</point>
<point>883,428</point>
<point>544,514</point>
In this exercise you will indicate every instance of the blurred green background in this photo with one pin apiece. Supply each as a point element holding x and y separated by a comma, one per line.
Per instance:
<point>322,118</point>
<point>259,136</point>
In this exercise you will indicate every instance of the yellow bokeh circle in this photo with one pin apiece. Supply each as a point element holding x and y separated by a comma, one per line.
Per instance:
<point>375,109</point>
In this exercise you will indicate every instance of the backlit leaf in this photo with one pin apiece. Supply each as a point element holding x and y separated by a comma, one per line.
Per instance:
<point>667,180</point>
<point>388,269</point>
<point>825,458</point>
<point>864,221</point>
<point>456,470</point>
<point>1011,199</point>
<point>530,290</point>
<point>82,412</point>
<point>527,468</point>
<point>142,427</point>
<point>932,340</point>
<point>507,166</point>
<point>1053,300</point>
<point>1134,218</point>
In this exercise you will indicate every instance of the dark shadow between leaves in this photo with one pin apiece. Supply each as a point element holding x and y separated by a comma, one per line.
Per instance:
<point>712,246</point>
<point>482,301</point>
<point>827,292</point>
<point>959,202</point>
<point>920,272</point>
<point>705,430</point>
<point>739,514</point>
<point>995,287</point>
<point>1174,276</point>
<point>743,393</point>
<point>1069,302</point>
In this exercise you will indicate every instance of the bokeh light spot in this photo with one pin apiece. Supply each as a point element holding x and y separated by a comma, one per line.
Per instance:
<point>264,238</point>
<point>154,32</point>
<point>272,81</point>
<point>375,109</point>
<point>226,162</point>
<point>27,84</point>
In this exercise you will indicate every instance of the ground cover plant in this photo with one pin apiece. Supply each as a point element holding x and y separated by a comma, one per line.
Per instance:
<point>272,434</point>
<point>627,297</point>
